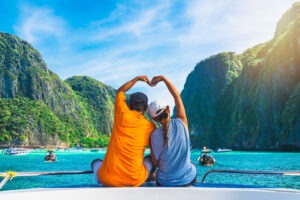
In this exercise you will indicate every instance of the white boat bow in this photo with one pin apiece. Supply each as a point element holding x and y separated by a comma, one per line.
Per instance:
<point>149,191</point>
<point>152,193</point>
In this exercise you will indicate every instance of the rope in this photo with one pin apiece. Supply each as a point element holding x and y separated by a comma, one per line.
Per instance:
<point>7,176</point>
<point>11,174</point>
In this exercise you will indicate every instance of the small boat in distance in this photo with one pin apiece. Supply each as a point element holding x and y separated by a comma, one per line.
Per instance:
<point>205,159</point>
<point>16,151</point>
<point>206,150</point>
<point>223,150</point>
<point>95,150</point>
<point>50,157</point>
<point>77,148</point>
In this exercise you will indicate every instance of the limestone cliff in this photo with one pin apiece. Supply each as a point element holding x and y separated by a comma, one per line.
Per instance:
<point>258,107</point>
<point>24,77</point>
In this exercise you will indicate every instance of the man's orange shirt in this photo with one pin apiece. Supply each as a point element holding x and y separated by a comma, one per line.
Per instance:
<point>123,162</point>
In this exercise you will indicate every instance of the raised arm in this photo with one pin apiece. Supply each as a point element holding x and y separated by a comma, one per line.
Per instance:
<point>180,111</point>
<point>131,83</point>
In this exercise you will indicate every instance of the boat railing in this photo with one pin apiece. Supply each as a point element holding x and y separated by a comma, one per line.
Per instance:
<point>10,175</point>
<point>283,173</point>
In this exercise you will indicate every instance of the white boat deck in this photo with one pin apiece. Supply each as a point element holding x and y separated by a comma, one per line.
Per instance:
<point>152,193</point>
<point>149,191</point>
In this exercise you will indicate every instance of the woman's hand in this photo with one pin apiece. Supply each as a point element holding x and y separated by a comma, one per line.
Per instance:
<point>180,110</point>
<point>156,79</point>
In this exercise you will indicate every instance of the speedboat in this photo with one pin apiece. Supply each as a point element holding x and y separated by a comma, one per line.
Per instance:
<point>150,191</point>
<point>219,150</point>
<point>16,151</point>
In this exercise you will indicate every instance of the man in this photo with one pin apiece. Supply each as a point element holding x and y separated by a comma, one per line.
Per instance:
<point>124,163</point>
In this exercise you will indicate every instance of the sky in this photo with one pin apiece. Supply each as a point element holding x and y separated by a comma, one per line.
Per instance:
<point>114,41</point>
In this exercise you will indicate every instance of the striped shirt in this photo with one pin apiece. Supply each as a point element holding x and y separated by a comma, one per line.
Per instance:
<point>174,163</point>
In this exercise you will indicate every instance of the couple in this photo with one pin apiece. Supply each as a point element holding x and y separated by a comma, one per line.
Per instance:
<point>124,163</point>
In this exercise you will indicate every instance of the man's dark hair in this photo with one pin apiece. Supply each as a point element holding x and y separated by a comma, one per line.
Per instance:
<point>138,101</point>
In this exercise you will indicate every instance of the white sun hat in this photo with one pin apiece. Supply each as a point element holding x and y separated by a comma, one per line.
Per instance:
<point>156,108</point>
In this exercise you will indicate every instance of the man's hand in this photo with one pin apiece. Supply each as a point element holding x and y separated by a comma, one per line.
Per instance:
<point>129,84</point>
<point>144,78</point>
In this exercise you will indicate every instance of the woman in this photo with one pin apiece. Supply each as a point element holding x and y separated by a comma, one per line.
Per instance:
<point>170,143</point>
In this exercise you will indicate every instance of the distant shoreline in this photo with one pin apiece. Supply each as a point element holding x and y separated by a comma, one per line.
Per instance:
<point>294,150</point>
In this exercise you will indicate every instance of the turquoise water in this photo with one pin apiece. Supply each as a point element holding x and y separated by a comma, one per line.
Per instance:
<point>73,161</point>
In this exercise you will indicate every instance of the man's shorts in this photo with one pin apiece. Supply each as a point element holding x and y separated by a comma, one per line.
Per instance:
<point>96,164</point>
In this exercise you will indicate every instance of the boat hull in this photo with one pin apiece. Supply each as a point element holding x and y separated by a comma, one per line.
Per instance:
<point>151,193</point>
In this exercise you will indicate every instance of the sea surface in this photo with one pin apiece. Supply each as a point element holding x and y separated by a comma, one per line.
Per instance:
<point>80,161</point>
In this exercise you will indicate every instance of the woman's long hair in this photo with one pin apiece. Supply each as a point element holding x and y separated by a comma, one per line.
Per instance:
<point>165,126</point>
<point>165,130</point>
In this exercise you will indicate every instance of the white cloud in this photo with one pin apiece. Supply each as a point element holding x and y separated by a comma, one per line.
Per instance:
<point>139,23</point>
<point>228,26</point>
<point>160,38</point>
<point>38,23</point>
<point>235,24</point>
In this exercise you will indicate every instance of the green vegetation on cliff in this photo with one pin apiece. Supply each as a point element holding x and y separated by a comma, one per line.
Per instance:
<point>207,82</point>
<point>98,100</point>
<point>24,75</point>
<point>257,107</point>
<point>20,117</point>
<point>248,101</point>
